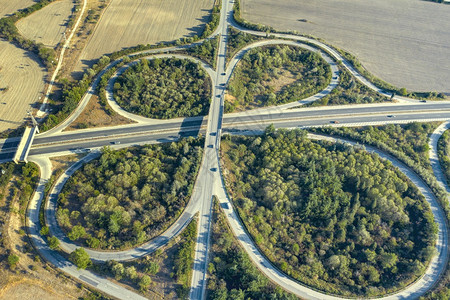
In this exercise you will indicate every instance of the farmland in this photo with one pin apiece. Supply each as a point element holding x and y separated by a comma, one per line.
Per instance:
<point>401,42</point>
<point>8,6</point>
<point>48,24</point>
<point>127,23</point>
<point>21,84</point>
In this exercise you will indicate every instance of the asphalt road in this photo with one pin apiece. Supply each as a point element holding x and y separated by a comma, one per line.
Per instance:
<point>210,165</point>
<point>33,225</point>
<point>418,288</point>
<point>209,181</point>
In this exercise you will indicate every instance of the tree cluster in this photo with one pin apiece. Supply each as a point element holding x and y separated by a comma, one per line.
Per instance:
<point>126,197</point>
<point>164,88</point>
<point>332,216</point>
<point>206,51</point>
<point>184,260</point>
<point>350,91</point>
<point>444,153</point>
<point>238,40</point>
<point>252,81</point>
<point>231,274</point>
<point>214,20</point>
<point>410,139</point>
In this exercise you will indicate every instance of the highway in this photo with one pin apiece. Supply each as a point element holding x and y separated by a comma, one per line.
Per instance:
<point>56,142</point>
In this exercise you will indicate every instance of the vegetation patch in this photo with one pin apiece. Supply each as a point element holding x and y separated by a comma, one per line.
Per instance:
<point>164,88</point>
<point>231,273</point>
<point>410,139</point>
<point>332,216</point>
<point>160,275</point>
<point>441,289</point>
<point>444,154</point>
<point>206,51</point>
<point>238,40</point>
<point>349,91</point>
<point>275,75</point>
<point>127,197</point>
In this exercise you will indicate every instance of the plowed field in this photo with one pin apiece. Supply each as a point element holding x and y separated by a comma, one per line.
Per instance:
<point>403,42</point>
<point>127,23</point>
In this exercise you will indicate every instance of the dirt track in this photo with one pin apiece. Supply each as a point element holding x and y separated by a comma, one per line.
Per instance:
<point>23,81</point>
<point>127,23</point>
<point>48,24</point>
<point>9,6</point>
<point>404,42</point>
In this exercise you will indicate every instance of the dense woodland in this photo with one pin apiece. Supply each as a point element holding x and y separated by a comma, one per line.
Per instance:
<point>441,290</point>
<point>126,197</point>
<point>164,88</point>
<point>276,75</point>
<point>349,91</point>
<point>231,274</point>
<point>332,216</point>
<point>410,139</point>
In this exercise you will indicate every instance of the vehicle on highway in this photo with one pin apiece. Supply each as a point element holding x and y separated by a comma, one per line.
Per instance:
<point>211,146</point>
<point>424,101</point>
<point>213,169</point>
<point>334,122</point>
<point>391,116</point>
<point>115,143</point>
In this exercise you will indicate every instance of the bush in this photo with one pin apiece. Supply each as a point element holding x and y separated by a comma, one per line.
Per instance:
<point>80,258</point>
<point>13,260</point>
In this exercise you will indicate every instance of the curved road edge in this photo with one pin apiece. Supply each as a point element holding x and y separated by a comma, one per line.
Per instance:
<point>141,119</point>
<point>434,270</point>
<point>101,255</point>
<point>33,225</point>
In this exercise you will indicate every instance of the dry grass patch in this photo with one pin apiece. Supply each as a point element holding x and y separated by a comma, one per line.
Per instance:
<point>47,25</point>
<point>21,84</point>
<point>10,6</point>
<point>31,279</point>
<point>24,288</point>
<point>95,116</point>
<point>127,23</point>
<point>64,162</point>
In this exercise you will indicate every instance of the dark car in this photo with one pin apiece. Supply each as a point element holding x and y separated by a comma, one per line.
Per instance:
<point>213,169</point>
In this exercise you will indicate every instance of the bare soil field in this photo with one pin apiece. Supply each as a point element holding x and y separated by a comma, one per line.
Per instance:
<point>127,23</point>
<point>9,6</point>
<point>404,42</point>
<point>47,25</point>
<point>21,84</point>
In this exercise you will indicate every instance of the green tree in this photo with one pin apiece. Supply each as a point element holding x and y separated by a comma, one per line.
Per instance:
<point>53,243</point>
<point>80,258</point>
<point>77,232</point>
